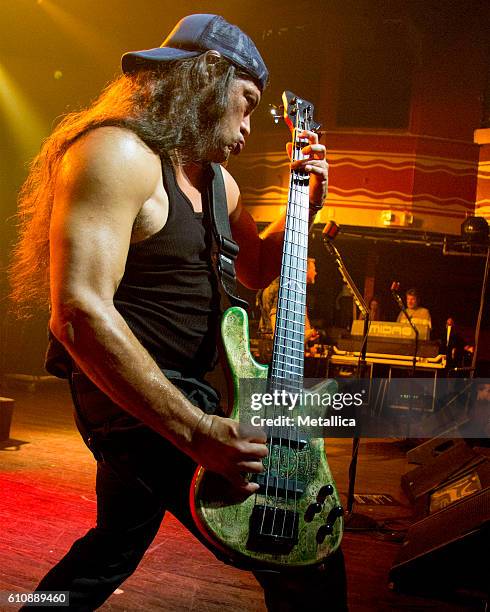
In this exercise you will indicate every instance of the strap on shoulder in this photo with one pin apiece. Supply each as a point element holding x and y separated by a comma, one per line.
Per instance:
<point>227,249</point>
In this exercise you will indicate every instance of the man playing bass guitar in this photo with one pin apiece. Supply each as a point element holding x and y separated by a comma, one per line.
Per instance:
<point>119,230</point>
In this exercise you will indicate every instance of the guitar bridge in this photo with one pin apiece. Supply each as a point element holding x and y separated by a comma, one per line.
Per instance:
<point>273,530</point>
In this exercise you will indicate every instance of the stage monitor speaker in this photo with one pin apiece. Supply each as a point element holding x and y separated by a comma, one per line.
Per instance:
<point>473,479</point>
<point>451,459</point>
<point>448,550</point>
<point>429,450</point>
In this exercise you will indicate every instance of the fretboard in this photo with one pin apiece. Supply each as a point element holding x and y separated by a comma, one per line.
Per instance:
<point>288,347</point>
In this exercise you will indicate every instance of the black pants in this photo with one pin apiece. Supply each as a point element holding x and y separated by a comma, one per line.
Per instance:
<point>140,475</point>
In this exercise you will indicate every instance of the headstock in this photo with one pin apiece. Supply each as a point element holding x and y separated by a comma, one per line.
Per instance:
<point>298,113</point>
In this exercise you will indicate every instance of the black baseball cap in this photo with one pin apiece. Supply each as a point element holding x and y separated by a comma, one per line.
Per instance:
<point>196,34</point>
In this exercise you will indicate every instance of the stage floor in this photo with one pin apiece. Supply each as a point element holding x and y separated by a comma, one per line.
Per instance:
<point>47,500</point>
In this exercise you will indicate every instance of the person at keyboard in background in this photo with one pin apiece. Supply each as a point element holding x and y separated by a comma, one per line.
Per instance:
<point>419,315</point>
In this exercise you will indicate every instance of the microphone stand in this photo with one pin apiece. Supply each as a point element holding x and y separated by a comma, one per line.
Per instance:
<point>353,520</point>
<point>354,291</point>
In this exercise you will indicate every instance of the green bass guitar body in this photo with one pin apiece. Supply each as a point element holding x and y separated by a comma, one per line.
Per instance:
<point>295,519</point>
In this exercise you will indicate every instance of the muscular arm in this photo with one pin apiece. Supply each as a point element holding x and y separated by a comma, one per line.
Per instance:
<point>104,180</point>
<point>259,259</point>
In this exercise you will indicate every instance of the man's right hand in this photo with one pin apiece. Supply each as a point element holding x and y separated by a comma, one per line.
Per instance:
<point>221,445</point>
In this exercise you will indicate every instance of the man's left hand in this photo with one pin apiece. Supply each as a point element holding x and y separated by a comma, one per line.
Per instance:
<point>315,164</point>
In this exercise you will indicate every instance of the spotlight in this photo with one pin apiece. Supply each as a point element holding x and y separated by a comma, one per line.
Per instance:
<point>57,74</point>
<point>276,112</point>
<point>475,230</point>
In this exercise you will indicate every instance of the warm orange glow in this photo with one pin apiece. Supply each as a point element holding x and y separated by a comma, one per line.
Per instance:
<point>28,128</point>
<point>92,41</point>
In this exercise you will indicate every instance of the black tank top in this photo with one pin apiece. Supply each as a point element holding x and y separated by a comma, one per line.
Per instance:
<point>169,292</point>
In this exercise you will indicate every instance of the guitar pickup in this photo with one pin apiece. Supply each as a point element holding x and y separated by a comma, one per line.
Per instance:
<point>290,437</point>
<point>278,485</point>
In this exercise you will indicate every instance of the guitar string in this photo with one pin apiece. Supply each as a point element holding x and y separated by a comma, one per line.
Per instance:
<point>299,213</point>
<point>298,216</point>
<point>302,208</point>
<point>298,367</point>
<point>276,370</point>
<point>294,271</point>
<point>296,454</point>
<point>290,289</point>
<point>283,289</point>
<point>305,202</point>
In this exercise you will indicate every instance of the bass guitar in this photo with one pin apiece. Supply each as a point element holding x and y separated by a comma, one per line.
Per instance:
<point>295,518</point>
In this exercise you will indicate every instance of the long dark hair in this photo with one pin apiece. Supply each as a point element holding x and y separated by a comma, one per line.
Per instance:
<point>174,109</point>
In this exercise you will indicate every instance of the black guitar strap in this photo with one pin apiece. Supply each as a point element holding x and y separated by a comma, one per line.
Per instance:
<point>226,248</point>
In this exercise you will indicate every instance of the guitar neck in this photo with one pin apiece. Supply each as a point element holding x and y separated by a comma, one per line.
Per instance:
<point>288,346</point>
